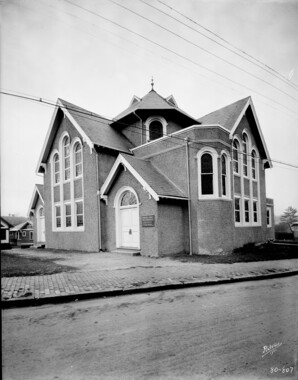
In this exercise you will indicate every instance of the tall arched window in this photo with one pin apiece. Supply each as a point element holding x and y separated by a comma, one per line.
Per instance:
<point>253,164</point>
<point>245,143</point>
<point>68,193</point>
<point>77,160</point>
<point>224,175</point>
<point>56,169</point>
<point>66,157</point>
<point>206,174</point>
<point>236,156</point>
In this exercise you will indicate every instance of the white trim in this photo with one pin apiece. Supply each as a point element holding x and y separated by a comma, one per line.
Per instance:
<point>47,137</point>
<point>117,215</point>
<point>60,106</point>
<point>250,103</point>
<point>228,174</point>
<point>121,160</point>
<point>133,100</point>
<point>195,126</point>
<point>214,156</point>
<point>72,201</point>
<point>149,120</point>
<point>35,191</point>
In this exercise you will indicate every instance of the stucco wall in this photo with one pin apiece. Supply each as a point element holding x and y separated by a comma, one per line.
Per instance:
<point>173,231</point>
<point>148,235</point>
<point>86,240</point>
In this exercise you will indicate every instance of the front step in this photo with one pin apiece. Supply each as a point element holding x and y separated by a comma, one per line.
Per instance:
<point>131,252</point>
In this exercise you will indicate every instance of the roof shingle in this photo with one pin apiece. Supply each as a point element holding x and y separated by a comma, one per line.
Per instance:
<point>226,116</point>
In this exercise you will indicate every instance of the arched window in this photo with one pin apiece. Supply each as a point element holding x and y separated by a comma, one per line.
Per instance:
<point>66,157</point>
<point>41,211</point>
<point>128,199</point>
<point>236,156</point>
<point>56,169</point>
<point>156,127</point>
<point>155,130</point>
<point>245,143</point>
<point>253,164</point>
<point>206,174</point>
<point>77,160</point>
<point>224,175</point>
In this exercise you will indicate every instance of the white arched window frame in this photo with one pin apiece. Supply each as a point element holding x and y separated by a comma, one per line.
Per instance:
<point>68,215</point>
<point>77,203</point>
<point>77,159</point>
<point>245,150</point>
<point>214,174</point>
<point>152,119</point>
<point>225,175</point>
<point>254,175</point>
<point>66,158</point>
<point>236,150</point>
<point>118,207</point>
<point>56,168</point>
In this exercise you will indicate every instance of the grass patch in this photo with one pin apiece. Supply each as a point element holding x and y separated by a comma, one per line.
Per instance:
<point>249,253</point>
<point>15,265</point>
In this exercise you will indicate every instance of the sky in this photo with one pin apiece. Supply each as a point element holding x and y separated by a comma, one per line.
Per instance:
<point>99,53</point>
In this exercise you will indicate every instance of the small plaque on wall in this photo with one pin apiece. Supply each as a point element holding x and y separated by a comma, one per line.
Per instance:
<point>148,221</point>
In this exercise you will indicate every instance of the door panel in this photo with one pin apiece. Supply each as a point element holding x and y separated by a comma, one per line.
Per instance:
<point>129,227</point>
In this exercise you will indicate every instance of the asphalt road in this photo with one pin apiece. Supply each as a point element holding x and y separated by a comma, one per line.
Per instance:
<point>215,332</point>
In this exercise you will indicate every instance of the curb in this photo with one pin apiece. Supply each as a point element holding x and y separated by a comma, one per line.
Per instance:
<point>26,302</point>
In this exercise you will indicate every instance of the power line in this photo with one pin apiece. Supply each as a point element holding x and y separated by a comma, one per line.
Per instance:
<point>94,115</point>
<point>180,55</point>
<point>258,62</point>
<point>198,46</point>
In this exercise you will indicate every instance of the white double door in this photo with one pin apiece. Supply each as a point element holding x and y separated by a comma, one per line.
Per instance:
<point>129,227</point>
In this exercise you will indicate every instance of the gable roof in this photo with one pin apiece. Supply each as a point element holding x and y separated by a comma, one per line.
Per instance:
<point>93,128</point>
<point>21,226</point>
<point>152,180</point>
<point>152,101</point>
<point>4,223</point>
<point>226,116</point>
<point>230,116</point>
<point>14,220</point>
<point>37,194</point>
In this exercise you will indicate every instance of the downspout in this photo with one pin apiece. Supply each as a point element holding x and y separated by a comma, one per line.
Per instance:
<point>98,206</point>
<point>188,192</point>
<point>141,123</point>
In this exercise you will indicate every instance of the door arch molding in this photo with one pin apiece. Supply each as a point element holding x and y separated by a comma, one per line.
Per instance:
<point>125,215</point>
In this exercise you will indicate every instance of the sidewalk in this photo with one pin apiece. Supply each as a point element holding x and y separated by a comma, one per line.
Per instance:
<point>139,276</point>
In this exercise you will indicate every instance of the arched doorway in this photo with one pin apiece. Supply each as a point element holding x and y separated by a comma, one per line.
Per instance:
<point>41,225</point>
<point>127,219</point>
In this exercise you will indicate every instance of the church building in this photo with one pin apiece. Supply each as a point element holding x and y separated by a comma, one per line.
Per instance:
<point>155,179</point>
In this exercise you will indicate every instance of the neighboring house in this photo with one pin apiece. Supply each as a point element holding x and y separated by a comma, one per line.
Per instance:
<point>12,221</point>
<point>37,215</point>
<point>294,227</point>
<point>5,226</point>
<point>283,231</point>
<point>22,234</point>
<point>155,179</point>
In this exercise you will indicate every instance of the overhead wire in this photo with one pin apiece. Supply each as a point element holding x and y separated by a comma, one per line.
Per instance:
<point>258,62</point>
<point>181,56</point>
<point>196,45</point>
<point>86,113</point>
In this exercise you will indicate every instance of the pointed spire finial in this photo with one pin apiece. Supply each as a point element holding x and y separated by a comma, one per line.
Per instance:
<point>152,84</point>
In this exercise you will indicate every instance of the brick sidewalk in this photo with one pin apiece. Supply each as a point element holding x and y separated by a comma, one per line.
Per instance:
<point>78,283</point>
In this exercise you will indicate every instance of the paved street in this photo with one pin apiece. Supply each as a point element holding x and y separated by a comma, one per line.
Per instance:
<point>200,333</point>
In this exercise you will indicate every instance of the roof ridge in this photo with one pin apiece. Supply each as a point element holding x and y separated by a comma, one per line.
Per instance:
<point>228,105</point>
